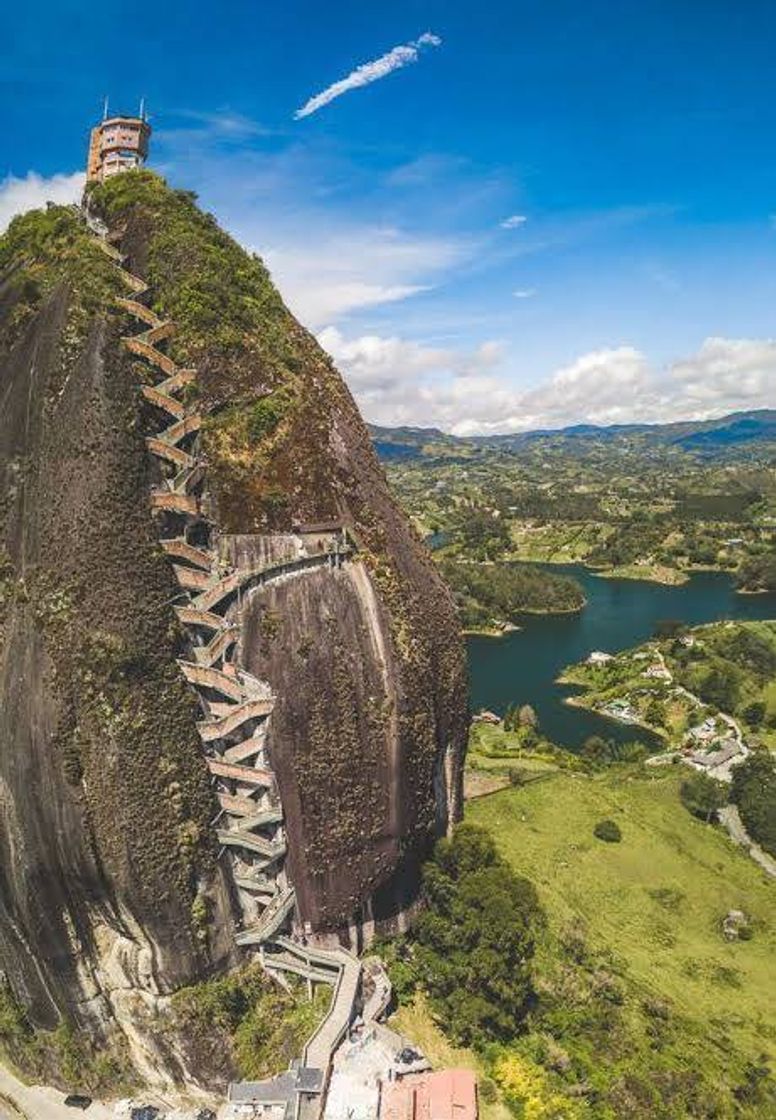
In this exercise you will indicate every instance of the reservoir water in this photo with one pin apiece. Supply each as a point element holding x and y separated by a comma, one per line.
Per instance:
<point>522,666</point>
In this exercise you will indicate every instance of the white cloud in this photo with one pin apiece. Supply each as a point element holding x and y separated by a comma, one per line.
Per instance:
<point>375,364</point>
<point>513,221</point>
<point>524,293</point>
<point>34,191</point>
<point>398,381</point>
<point>323,279</point>
<point>370,72</point>
<point>725,369</point>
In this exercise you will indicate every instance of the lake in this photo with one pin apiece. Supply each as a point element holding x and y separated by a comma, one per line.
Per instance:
<point>522,666</point>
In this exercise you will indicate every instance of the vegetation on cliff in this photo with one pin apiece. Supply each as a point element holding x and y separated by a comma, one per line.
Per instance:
<point>265,439</point>
<point>241,1025</point>
<point>41,250</point>
<point>64,1056</point>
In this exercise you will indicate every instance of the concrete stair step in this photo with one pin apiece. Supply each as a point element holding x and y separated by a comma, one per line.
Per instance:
<point>209,654</point>
<point>270,921</point>
<point>180,548</point>
<point>192,616</point>
<point>203,677</point>
<point>270,850</point>
<point>247,749</point>
<point>163,401</point>
<point>169,452</point>
<point>140,311</point>
<point>176,432</point>
<point>243,775</point>
<point>176,503</point>
<point>137,345</point>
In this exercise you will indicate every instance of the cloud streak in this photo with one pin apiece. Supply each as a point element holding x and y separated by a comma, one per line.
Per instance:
<point>514,221</point>
<point>369,72</point>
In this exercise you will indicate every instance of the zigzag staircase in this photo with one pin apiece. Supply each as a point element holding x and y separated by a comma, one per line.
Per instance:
<point>237,708</point>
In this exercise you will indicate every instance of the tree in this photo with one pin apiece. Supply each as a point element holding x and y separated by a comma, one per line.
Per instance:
<point>530,739</point>
<point>596,751</point>
<point>511,718</point>
<point>720,686</point>
<point>702,795</point>
<point>753,791</point>
<point>474,943</point>
<point>754,712</point>
<point>527,716</point>
<point>519,776</point>
<point>669,628</point>
<point>608,831</point>
<point>631,752</point>
<point>656,712</point>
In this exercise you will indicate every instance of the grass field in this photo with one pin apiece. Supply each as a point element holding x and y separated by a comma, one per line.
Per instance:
<point>652,573</point>
<point>556,543</point>
<point>655,900</point>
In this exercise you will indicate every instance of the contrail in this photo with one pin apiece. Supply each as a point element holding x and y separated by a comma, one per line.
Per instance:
<point>370,72</point>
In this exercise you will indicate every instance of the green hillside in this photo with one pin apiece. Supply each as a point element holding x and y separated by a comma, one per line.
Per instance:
<point>646,917</point>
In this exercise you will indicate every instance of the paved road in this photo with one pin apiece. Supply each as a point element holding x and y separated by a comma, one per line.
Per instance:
<point>34,1102</point>
<point>730,818</point>
<point>37,1102</point>
<point>723,772</point>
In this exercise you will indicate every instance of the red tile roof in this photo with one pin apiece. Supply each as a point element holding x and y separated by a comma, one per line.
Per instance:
<point>450,1094</point>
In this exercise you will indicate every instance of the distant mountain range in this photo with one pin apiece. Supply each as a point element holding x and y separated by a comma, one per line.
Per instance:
<point>739,431</point>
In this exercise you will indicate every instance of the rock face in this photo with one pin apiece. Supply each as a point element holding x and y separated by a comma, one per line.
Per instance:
<point>110,880</point>
<point>104,839</point>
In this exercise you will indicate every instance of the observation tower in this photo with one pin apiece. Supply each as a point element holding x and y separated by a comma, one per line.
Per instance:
<point>117,144</point>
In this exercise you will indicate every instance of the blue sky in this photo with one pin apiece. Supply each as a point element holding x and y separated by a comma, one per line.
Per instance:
<point>631,145</point>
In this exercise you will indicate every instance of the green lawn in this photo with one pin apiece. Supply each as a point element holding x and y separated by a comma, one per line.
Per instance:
<point>656,899</point>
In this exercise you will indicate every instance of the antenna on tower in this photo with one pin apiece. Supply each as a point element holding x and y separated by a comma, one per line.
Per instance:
<point>142,109</point>
<point>105,109</point>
